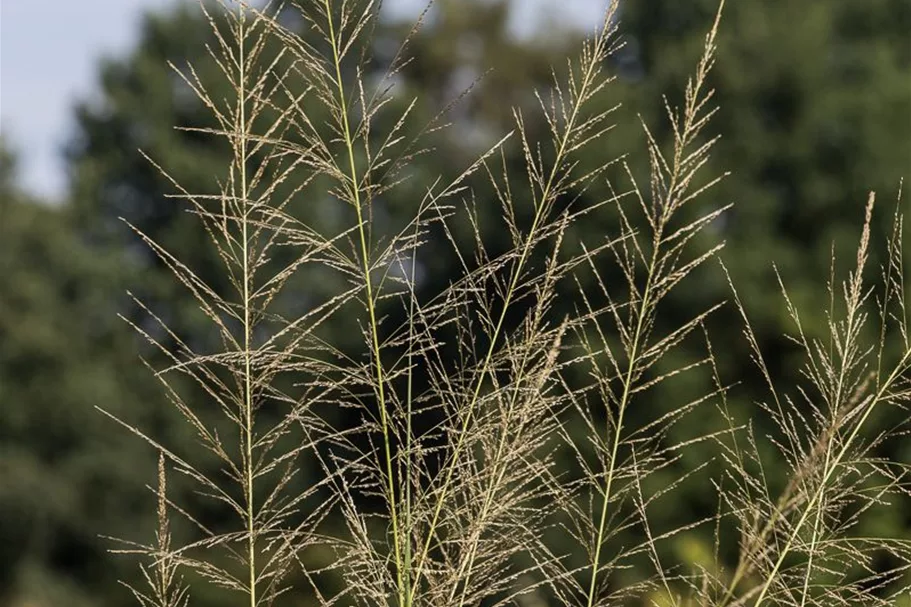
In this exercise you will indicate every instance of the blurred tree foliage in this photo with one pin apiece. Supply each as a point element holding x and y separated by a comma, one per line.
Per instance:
<point>815,108</point>
<point>65,477</point>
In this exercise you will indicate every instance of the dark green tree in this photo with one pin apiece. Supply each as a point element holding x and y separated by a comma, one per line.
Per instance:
<point>67,477</point>
<point>814,102</point>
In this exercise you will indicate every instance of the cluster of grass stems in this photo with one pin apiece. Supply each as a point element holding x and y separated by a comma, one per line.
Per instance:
<point>451,491</point>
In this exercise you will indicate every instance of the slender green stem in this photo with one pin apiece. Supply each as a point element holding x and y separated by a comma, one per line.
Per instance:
<point>631,368</point>
<point>660,222</point>
<point>241,146</point>
<point>403,599</point>
<point>814,541</point>
<point>409,436</point>
<point>845,364</point>
<point>624,401</point>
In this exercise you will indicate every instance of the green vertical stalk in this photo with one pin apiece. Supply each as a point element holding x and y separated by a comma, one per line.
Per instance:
<point>403,599</point>
<point>624,402</point>
<point>241,152</point>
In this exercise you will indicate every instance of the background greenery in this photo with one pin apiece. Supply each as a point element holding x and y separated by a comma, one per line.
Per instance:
<point>815,99</point>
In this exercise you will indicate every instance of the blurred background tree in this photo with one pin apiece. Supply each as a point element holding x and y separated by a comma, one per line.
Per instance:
<point>65,478</point>
<point>815,111</point>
